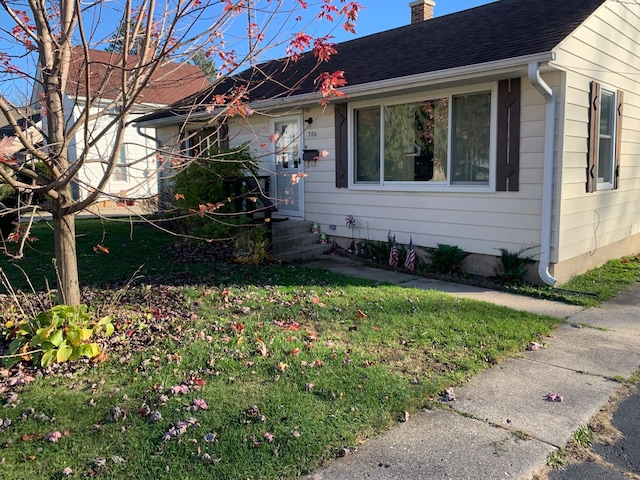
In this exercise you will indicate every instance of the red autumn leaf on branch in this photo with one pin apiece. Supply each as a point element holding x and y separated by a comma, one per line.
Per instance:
<point>323,48</point>
<point>329,84</point>
<point>298,44</point>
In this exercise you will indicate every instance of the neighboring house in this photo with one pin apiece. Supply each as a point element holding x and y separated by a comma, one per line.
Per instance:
<point>136,176</point>
<point>514,124</point>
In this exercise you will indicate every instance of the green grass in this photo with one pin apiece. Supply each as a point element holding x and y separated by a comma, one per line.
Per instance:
<point>294,364</point>
<point>131,247</point>
<point>604,283</point>
<point>591,288</point>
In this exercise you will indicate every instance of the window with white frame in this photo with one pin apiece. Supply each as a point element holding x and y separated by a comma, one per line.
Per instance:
<point>606,139</point>
<point>605,134</point>
<point>445,140</point>
<point>121,174</point>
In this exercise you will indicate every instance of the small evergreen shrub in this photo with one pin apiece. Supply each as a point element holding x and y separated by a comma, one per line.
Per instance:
<point>447,259</point>
<point>512,266</point>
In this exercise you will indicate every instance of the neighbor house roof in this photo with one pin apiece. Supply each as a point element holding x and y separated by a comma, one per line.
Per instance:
<point>494,32</point>
<point>170,83</point>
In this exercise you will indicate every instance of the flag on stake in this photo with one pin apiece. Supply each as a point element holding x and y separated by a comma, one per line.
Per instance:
<point>410,261</point>
<point>393,256</point>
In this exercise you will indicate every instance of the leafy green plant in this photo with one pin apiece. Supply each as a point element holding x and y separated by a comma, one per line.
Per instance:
<point>512,266</point>
<point>447,259</point>
<point>583,437</point>
<point>63,333</point>
<point>200,188</point>
<point>377,251</point>
<point>252,246</point>
<point>557,459</point>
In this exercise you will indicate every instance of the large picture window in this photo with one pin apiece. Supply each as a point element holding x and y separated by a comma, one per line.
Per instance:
<point>444,140</point>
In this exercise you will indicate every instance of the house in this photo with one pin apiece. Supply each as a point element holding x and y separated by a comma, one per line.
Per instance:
<point>135,177</point>
<point>511,125</point>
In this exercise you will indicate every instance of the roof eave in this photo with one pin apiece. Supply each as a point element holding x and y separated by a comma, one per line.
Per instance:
<point>479,71</point>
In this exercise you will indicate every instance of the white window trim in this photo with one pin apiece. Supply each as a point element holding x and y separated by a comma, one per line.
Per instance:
<point>428,186</point>
<point>614,123</point>
<point>124,165</point>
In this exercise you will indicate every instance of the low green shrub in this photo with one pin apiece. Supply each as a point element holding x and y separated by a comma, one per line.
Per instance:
<point>200,192</point>
<point>512,266</point>
<point>376,251</point>
<point>252,246</point>
<point>447,259</point>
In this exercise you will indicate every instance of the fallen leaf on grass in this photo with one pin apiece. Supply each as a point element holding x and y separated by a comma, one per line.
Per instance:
<point>282,366</point>
<point>238,327</point>
<point>177,389</point>
<point>54,436</point>
<point>100,249</point>
<point>200,404</point>
<point>361,314</point>
<point>262,348</point>
<point>100,358</point>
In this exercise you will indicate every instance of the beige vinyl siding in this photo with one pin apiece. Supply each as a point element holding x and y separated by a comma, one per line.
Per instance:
<point>604,49</point>
<point>477,222</point>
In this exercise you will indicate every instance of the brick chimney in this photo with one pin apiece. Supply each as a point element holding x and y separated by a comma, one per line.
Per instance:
<point>421,10</point>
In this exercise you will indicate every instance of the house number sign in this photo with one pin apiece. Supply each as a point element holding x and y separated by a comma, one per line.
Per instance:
<point>312,133</point>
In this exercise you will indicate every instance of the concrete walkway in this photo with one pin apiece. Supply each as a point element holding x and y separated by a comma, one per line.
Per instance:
<point>501,425</point>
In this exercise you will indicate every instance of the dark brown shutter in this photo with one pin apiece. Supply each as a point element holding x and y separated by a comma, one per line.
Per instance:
<point>594,133</point>
<point>620,98</point>
<point>508,153</point>
<point>342,148</point>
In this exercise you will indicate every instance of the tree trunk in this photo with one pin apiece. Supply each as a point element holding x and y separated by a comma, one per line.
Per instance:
<point>64,232</point>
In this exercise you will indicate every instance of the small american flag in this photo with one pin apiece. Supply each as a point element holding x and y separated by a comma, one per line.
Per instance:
<point>410,261</point>
<point>393,256</point>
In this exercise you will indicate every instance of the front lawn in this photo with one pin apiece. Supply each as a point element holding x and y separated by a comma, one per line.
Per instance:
<point>226,371</point>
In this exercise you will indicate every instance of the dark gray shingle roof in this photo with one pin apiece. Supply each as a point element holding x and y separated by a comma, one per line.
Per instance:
<point>493,32</point>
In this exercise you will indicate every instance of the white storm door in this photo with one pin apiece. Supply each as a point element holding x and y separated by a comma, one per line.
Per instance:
<point>289,167</point>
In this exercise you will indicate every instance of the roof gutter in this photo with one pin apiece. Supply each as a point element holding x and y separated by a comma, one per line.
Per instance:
<point>486,69</point>
<point>463,73</point>
<point>549,165</point>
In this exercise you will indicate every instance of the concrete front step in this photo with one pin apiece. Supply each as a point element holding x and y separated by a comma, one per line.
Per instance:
<point>305,252</point>
<point>293,240</point>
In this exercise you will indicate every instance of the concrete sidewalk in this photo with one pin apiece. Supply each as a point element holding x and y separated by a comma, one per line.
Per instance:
<point>501,425</point>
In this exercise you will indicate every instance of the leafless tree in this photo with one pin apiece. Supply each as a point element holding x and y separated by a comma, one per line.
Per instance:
<point>49,49</point>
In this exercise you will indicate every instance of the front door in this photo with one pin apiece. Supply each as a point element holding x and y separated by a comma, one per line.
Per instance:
<point>289,168</point>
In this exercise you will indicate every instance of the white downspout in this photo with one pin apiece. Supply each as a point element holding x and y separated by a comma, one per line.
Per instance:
<point>547,178</point>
